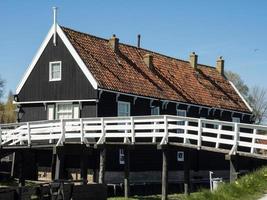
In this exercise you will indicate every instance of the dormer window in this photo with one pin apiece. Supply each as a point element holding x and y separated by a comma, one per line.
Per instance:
<point>55,71</point>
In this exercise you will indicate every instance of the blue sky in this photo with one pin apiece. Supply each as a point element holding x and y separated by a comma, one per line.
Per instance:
<point>237,30</point>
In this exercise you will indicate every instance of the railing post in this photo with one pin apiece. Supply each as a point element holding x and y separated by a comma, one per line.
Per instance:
<point>236,137</point>
<point>185,131</point>
<point>166,133</point>
<point>62,131</point>
<point>132,130</point>
<point>252,150</point>
<point>82,131</point>
<point>103,133</point>
<point>199,142</point>
<point>29,133</point>
<point>218,136</point>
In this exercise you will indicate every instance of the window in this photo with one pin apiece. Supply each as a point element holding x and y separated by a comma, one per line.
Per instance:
<point>55,71</point>
<point>67,111</point>
<point>180,156</point>
<point>236,119</point>
<point>155,110</point>
<point>64,111</point>
<point>181,113</point>
<point>124,108</point>
<point>121,157</point>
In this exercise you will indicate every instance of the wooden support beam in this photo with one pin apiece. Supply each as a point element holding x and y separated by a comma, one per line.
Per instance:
<point>53,163</point>
<point>21,163</point>
<point>164,188</point>
<point>102,165</point>
<point>186,172</point>
<point>84,167</point>
<point>233,164</point>
<point>126,172</point>
<point>59,169</point>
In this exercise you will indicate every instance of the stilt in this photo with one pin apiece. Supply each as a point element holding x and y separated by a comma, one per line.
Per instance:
<point>186,172</point>
<point>53,163</point>
<point>21,168</point>
<point>84,167</point>
<point>12,172</point>
<point>126,172</point>
<point>102,165</point>
<point>59,171</point>
<point>164,174</point>
<point>233,161</point>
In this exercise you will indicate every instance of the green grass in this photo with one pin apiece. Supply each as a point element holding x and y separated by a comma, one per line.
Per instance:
<point>249,187</point>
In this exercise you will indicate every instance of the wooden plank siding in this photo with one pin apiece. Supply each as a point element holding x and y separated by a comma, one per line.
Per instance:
<point>73,85</point>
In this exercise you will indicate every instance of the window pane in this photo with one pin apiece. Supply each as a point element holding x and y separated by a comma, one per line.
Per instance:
<point>123,109</point>
<point>64,111</point>
<point>55,71</point>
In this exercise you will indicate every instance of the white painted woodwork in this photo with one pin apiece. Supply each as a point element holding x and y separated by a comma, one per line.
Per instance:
<point>99,130</point>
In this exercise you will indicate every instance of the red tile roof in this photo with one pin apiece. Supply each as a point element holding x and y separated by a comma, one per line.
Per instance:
<point>172,79</point>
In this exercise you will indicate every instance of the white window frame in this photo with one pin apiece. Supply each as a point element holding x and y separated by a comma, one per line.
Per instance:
<point>57,104</point>
<point>124,103</point>
<point>181,110</point>
<point>157,110</point>
<point>180,156</point>
<point>121,157</point>
<point>236,119</point>
<point>50,71</point>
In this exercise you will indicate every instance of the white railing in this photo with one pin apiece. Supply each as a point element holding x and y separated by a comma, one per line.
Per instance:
<point>164,129</point>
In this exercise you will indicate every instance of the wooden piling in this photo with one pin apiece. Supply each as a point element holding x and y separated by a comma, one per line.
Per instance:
<point>126,172</point>
<point>21,167</point>
<point>164,187</point>
<point>233,165</point>
<point>83,167</point>
<point>102,165</point>
<point>186,172</point>
<point>59,169</point>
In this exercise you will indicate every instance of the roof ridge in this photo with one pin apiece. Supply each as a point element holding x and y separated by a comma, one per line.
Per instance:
<point>148,50</point>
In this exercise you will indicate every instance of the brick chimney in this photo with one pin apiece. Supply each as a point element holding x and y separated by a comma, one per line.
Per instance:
<point>193,60</point>
<point>148,59</point>
<point>114,43</point>
<point>220,65</point>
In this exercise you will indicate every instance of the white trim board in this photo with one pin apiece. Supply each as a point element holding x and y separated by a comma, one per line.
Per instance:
<point>55,101</point>
<point>71,49</point>
<point>240,95</point>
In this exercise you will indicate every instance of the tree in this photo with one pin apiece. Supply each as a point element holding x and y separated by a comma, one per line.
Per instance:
<point>9,114</point>
<point>238,82</point>
<point>258,101</point>
<point>256,96</point>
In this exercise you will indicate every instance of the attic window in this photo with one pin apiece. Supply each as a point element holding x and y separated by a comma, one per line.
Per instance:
<point>55,71</point>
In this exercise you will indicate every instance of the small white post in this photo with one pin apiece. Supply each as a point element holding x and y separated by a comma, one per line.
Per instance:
<point>132,130</point>
<point>218,136</point>
<point>199,142</point>
<point>166,133</point>
<point>211,184</point>
<point>252,150</point>
<point>236,138</point>
<point>185,131</point>
<point>55,25</point>
<point>62,131</point>
<point>102,138</point>
<point>82,131</point>
<point>29,133</point>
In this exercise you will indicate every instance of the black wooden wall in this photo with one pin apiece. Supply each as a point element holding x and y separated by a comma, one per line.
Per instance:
<point>74,84</point>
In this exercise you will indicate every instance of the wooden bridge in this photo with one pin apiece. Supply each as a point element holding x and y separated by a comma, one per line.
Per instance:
<point>228,138</point>
<point>211,135</point>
